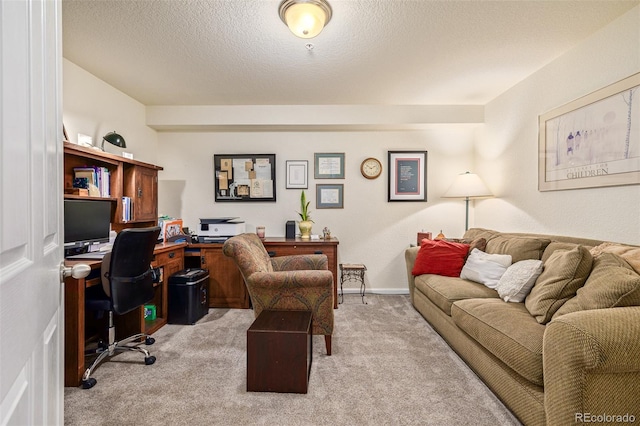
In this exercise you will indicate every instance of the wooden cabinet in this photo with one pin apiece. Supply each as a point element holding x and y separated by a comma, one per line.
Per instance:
<point>169,259</point>
<point>130,178</point>
<point>226,285</point>
<point>141,185</point>
<point>285,247</point>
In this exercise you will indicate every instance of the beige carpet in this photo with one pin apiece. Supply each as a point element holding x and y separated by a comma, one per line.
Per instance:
<point>388,367</point>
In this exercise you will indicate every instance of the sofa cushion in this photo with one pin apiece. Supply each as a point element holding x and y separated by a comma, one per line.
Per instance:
<point>518,280</point>
<point>440,257</point>
<point>507,330</point>
<point>443,291</point>
<point>520,248</point>
<point>612,283</point>
<point>479,243</point>
<point>474,233</point>
<point>564,273</point>
<point>630,254</point>
<point>555,245</point>
<point>485,268</point>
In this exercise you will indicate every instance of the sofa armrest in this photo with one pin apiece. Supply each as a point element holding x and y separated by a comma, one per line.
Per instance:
<point>300,262</point>
<point>410,255</point>
<point>591,365</point>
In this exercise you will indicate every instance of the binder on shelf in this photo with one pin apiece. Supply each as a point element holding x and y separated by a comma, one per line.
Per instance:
<point>126,209</point>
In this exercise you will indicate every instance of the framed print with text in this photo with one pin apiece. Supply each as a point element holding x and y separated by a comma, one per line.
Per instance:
<point>330,196</point>
<point>297,172</point>
<point>407,176</point>
<point>329,165</point>
<point>593,141</point>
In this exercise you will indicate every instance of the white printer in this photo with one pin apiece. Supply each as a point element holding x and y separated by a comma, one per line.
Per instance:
<point>218,230</point>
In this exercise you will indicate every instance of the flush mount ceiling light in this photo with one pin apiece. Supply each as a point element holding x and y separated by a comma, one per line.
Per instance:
<point>305,18</point>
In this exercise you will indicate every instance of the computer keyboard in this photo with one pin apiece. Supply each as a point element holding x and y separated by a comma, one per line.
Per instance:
<point>94,255</point>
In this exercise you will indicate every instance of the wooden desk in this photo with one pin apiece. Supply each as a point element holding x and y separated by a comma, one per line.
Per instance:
<point>226,285</point>
<point>169,257</point>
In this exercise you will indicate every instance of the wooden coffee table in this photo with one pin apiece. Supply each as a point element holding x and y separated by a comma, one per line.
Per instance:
<point>279,352</point>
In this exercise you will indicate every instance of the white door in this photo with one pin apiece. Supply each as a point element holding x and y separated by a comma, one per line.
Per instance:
<point>31,243</point>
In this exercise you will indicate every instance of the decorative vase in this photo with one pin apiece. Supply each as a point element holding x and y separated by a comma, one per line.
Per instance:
<point>305,229</point>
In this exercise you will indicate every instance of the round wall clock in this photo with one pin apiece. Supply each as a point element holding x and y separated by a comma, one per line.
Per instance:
<point>371,168</point>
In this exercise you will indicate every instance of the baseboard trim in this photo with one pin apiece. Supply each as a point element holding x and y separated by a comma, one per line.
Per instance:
<point>377,291</point>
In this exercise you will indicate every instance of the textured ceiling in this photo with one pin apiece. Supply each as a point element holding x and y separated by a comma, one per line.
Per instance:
<point>373,52</point>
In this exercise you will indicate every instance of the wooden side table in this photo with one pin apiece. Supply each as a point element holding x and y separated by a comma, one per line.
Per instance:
<point>279,352</point>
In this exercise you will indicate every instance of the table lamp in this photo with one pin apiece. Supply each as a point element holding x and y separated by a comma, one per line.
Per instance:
<point>467,185</point>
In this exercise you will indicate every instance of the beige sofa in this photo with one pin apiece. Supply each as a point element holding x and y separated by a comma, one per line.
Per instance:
<point>580,367</point>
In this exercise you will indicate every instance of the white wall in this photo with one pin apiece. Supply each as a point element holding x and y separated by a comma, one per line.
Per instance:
<point>94,108</point>
<point>370,229</point>
<point>506,152</point>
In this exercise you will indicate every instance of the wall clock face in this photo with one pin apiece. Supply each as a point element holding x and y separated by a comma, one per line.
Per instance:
<point>371,168</point>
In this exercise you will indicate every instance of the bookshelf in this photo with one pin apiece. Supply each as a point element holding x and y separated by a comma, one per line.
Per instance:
<point>129,178</point>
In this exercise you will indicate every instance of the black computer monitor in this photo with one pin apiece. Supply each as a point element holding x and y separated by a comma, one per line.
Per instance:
<point>85,222</point>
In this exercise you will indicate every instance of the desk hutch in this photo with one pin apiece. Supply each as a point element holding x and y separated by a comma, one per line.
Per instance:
<point>139,181</point>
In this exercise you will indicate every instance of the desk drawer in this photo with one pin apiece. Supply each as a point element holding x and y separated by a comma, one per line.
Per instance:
<point>168,256</point>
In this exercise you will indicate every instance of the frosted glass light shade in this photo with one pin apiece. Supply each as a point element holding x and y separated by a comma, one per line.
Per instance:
<point>305,18</point>
<point>468,185</point>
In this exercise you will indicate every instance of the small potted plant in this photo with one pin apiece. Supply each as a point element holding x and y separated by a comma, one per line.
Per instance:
<point>305,218</point>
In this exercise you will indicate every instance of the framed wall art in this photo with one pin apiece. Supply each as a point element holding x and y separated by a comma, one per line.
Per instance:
<point>329,165</point>
<point>330,196</point>
<point>407,176</point>
<point>245,177</point>
<point>297,173</point>
<point>593,141</point>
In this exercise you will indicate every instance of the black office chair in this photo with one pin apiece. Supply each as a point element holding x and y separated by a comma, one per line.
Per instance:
<point>127,283</point>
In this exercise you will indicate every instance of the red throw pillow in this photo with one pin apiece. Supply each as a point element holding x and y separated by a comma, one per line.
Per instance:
<point>440,257</point>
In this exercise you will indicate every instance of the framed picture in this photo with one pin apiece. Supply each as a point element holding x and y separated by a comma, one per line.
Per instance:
<point>171,228</point>
<point>244,177</point>
<point>330,196</point>
<point>407,175</point>
<point>297,172</point>
<point>593,141</point>
<point>329,165</point>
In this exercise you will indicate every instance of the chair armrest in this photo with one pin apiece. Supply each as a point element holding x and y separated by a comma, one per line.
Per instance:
<point>300,262</point>
<point>410,255</point>
<point>299,279</point>
<point>591,365</point>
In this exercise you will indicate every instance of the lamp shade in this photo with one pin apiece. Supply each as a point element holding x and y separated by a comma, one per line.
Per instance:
<point>468,185</point>
<point>114,139</point>
<point>305,18</point>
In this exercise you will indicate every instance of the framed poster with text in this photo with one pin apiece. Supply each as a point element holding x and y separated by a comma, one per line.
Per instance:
<point>407,175</point>
<point>593,141</point>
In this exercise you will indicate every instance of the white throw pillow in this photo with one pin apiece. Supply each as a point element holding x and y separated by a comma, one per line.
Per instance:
<point>485,268</point>
<point>518,280</point>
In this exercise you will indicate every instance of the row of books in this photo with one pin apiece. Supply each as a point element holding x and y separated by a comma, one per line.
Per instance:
<point>98,179</point>
<point>126,209</point>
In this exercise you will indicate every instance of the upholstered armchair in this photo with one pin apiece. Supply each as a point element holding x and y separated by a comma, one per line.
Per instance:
<point>299,282</point>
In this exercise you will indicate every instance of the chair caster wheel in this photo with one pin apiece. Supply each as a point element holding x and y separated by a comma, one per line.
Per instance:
<point>89,383</point>
<point>149,341</point>
<point>149,360</point>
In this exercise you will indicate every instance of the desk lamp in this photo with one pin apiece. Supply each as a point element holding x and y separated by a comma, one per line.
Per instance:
<point>467,185</point>
<point>114,139</point>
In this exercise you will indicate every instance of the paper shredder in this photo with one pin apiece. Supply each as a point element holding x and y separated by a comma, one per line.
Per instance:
<point>188,296</point>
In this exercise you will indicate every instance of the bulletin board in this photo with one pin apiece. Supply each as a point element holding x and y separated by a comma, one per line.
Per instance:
<point>244,177</point>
